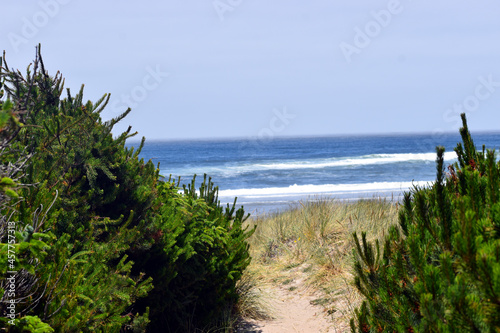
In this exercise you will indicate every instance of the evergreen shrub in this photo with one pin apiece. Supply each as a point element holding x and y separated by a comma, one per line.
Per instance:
<point>102,243</point>
<point>439,270</point>
<point>199,254</point>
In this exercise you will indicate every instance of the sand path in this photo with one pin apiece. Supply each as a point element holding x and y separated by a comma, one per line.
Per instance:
<point>294,312</point>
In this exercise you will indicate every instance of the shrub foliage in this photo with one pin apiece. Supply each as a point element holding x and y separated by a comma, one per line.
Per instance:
<point>203,253</point>
<point>98,241</point>
<point>439,270</point>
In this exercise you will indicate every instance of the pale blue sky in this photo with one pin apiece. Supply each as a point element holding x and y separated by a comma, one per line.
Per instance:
<point>237,68</point>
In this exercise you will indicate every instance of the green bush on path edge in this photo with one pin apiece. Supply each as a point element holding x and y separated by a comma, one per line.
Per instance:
<point>92,238</point>
<point>439,269</point>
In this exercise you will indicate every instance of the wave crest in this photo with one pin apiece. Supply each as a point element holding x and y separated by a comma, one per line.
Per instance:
<point>236,168</point>
<point>295,190</point>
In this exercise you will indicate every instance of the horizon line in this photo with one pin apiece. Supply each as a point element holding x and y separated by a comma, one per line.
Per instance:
<point>307,136</point>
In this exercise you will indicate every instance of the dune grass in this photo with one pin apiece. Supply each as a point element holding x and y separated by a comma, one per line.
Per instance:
<point>312,241</point>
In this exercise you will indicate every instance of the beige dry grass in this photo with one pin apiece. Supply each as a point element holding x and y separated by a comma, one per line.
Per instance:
<point>310,247</point>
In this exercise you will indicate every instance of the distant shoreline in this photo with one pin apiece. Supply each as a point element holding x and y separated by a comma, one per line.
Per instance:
<point>259,209</point>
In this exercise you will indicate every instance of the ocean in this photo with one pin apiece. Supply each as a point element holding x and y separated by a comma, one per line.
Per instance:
<point>270,175</point>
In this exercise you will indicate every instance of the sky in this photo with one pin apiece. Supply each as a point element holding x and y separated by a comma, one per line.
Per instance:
<point>260,68</point>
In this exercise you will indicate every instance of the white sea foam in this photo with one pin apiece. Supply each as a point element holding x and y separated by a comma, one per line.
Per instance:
<point>353,161</point>
<point>331,189</point>
<point>238,168</point>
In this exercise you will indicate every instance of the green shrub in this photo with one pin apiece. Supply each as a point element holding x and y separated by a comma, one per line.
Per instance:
<point>20,247</point>
<point>88,203</point>
<point>440,268</point>
<point>199,254</point>
<point>94,224</point>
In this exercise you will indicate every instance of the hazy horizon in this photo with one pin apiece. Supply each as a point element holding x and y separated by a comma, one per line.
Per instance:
<point>137,138</point>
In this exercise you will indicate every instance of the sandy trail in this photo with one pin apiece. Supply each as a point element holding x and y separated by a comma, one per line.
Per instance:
<point>294,312</point>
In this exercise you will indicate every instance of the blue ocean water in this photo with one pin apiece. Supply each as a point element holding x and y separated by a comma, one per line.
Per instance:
<point>268,175</point>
